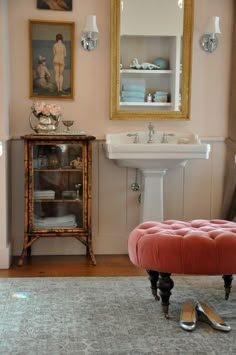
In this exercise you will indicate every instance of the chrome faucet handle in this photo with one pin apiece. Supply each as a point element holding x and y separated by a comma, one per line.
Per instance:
<point>151,128</point>
<point>135,135</point>
<point>165,135</point>
<point>151,132</point>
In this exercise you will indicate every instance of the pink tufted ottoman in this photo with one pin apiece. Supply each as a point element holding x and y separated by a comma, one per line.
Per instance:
<point>197,247</point>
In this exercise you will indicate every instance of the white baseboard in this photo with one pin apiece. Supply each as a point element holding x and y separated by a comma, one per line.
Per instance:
<point>102,244</point>
<point>5,258</point>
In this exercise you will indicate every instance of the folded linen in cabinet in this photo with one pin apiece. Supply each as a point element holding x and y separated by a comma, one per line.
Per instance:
<point>44,197</point>
<point>44,194</point>
<point>57,225</point>
<point>55,221</point>
<point>131,99</point>
<point>133,87</point>
<point>127,93</point>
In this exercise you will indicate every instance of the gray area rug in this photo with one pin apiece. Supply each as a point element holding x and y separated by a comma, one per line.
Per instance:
<point>108,315</point>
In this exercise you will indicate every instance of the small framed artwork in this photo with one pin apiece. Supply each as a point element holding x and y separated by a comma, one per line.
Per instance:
<point>61,5</point>
<point>51,59</point>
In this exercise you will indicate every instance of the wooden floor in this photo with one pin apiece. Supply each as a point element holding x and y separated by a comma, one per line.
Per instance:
<point>45,266</point>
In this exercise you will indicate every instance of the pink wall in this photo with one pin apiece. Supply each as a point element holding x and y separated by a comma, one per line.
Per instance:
<point>211,73</point>
<point>90,107</point>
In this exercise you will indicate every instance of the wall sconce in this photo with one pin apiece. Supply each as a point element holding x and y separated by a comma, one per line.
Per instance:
<point>89,36</point>
<point>180,4</point>
<point>209,40</point>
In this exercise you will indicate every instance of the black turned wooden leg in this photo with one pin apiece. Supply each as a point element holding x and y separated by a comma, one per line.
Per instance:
<point>228,281</point>
<point>165,284</point>
<point>154,277</point>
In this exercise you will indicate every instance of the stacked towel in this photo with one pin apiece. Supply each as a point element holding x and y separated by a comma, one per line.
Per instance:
<point>67,221</point>
<point>133,87</point>
<point>130,93</point>
<point>133,93</point>
<point>44,194</point>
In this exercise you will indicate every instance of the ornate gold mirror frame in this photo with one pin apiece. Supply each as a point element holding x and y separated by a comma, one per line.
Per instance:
<point>140,113</point>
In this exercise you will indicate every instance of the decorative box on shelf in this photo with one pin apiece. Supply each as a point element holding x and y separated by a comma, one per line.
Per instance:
<point>160,96</point>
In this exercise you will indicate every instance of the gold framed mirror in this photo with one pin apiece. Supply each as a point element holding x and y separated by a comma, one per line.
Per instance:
<point>151,57</point>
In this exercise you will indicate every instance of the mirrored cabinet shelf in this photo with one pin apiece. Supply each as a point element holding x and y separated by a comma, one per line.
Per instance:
<point>138,82</point>
<point>150,56</point>
<point>57,189</point>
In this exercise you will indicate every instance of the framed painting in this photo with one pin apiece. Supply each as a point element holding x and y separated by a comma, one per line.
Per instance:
<point>51,59</point>
<point>62,5</point>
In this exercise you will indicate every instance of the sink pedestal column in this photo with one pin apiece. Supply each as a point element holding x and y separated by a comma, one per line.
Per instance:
<point>152,195</point>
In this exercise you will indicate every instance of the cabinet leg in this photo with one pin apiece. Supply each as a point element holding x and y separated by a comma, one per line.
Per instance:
<point>24,251</point>
<point>28,241</point>
<point>21,259</point>
<point>90,249</point>
<point>29,248</point>
<point>91,254</point>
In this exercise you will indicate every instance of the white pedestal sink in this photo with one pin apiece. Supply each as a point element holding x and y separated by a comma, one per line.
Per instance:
<point>153,160</point>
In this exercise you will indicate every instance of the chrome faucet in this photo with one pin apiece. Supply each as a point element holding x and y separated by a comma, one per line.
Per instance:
<point>151,132</point>
<point>135,135</point>
<point>165,135</point>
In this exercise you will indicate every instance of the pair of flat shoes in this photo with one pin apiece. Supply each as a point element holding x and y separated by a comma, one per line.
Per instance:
<point>192,312</point>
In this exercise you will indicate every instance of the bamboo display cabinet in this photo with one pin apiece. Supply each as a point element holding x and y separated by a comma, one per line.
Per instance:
<point>58,187</point>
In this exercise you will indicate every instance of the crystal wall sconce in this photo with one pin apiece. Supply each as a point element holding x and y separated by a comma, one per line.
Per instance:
<point>209,40</point>
<point>89,37</point>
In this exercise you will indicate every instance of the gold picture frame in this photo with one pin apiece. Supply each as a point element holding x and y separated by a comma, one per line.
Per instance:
<point>61,5</point>
<point>51,53</point>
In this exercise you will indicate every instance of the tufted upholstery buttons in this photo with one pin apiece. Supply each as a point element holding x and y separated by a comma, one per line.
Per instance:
<point>203,247</point>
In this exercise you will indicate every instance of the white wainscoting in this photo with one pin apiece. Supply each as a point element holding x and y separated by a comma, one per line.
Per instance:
<point>195,191</point>
<point>5,244</point>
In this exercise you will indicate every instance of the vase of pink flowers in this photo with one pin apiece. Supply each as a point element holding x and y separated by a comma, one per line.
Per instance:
<point>44,118</point>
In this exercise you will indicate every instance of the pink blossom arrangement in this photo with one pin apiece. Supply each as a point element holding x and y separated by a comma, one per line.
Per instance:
<point>42,109</point>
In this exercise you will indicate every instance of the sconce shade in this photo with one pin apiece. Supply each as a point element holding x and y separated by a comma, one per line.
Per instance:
<point>89,36</point>
<point>90,24</point>
<point>209,40</point>
<point>180,4</point>
<point>213,25</point>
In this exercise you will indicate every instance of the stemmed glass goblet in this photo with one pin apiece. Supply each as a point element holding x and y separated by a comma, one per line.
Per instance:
<point>77,187</point>
<point>68,124</point>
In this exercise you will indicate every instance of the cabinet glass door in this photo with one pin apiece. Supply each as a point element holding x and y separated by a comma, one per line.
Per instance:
<point>58,186</point>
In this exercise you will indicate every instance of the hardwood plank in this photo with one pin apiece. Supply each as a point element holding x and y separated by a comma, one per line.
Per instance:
<point>60,266</point>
